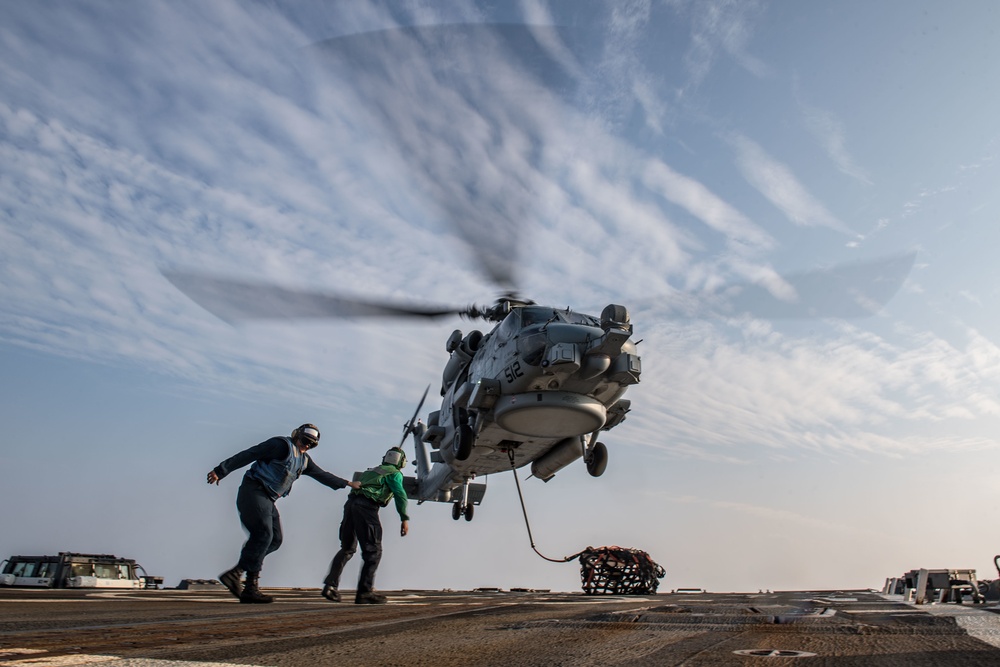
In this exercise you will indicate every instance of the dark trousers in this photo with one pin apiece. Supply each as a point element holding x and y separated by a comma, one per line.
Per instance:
<point>360,526</point>
<point>260,517</point>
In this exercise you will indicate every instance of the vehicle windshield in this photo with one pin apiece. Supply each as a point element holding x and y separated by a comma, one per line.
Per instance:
<point>24,569</point>
<point>81,570</point>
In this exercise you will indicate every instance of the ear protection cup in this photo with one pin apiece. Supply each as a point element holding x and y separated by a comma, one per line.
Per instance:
<point>395,457</point>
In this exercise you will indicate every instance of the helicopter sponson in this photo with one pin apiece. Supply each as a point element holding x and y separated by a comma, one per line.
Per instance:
<point>537,389</point>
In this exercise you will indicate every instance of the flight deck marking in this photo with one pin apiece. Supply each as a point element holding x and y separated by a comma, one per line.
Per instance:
<point>159,598</point>
<point>38,659</point>
<point>80,658</point>
<point>774,653</point>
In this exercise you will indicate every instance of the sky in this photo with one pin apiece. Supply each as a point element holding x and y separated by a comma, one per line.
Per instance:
<point>642,152</point>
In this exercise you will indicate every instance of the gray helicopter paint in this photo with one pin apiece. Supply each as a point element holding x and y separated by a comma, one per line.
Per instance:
<point>549,386</point>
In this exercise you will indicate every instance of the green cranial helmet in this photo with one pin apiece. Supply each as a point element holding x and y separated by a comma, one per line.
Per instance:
<point>395,457</point>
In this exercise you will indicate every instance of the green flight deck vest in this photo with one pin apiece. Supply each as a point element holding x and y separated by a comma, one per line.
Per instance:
<point>373,484</point>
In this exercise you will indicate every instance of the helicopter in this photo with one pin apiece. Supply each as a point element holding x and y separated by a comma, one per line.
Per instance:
<point>537,389</point>
<point>540,387</point>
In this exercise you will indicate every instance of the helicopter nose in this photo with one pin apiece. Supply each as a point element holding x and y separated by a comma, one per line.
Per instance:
<point>593,365</point>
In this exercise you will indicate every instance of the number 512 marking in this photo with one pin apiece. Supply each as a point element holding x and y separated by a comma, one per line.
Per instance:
<point>513,372</point>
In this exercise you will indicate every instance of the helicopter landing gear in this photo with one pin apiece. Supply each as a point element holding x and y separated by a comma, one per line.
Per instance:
<point>463,507</point>
<point>466,438</point>
<point>597,459</point>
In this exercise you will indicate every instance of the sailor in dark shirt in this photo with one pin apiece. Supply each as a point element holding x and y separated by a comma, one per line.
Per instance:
<point>277,463</point>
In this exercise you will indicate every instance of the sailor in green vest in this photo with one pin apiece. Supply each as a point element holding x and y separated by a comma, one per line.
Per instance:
<point>361,525</point>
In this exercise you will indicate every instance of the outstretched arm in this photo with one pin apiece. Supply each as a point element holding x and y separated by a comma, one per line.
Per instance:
<point>325,478</point>
<point>273,448</point>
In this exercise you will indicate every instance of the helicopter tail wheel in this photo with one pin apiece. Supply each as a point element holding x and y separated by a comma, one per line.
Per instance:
<point>456,511</point>
<point>465,440</point>
<point>598,460</point>
<point>469,511</point>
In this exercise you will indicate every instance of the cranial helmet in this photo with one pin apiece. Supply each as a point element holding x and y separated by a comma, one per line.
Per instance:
<point>395,457</point>
<point>307,432</point>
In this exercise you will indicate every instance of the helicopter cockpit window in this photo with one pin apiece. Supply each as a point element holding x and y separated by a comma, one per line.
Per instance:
<point>579,318</point>
<point>510,325</point>
<point>531,316</point>
<point>539,315</point>
<point>531,347</point>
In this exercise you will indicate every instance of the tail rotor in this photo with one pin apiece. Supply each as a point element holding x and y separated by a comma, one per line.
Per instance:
<point>409,426</point>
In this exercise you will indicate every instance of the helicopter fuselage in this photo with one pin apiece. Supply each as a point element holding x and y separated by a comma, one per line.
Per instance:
<point>536,390</point>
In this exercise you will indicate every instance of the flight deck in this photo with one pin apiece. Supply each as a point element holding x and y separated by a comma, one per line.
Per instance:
<point>181,628</point>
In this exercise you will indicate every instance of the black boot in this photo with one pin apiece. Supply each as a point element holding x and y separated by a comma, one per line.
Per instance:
<point>251,593</point>
<point>371,597</point>
<point>331,594</point>
<point>233,580</point>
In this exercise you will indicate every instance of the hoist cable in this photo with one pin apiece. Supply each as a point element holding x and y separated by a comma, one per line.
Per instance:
<point>606,570</point>
<point>524,510</point>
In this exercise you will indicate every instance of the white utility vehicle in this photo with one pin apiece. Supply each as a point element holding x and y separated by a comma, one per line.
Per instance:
<point>73,570</point>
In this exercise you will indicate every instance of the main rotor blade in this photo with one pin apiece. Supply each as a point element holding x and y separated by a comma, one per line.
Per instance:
<point>234,300</point>
<point>845,291</point>
<point>458,105</point>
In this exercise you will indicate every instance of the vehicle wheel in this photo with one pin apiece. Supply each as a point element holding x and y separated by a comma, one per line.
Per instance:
<point>469,511</point>
<point>456,511</point>
<point>466,438</point>
<point>598,460</point>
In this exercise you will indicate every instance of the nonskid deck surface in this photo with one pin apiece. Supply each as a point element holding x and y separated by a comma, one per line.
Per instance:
<point>172,628</point>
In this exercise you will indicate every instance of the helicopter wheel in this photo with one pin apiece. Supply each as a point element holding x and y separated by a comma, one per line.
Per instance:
<point>466,438</point>
<point>456,511</point>
<point>598,460</point>
<point>469,511</point>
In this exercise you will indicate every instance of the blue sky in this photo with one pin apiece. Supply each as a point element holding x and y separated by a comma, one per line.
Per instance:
<point>677,147</point>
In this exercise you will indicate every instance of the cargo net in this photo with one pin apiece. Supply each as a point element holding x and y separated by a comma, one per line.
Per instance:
<point>618,571</point>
